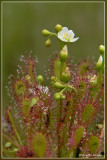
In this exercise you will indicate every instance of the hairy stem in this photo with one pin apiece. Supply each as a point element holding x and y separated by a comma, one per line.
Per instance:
<point>7,138</point>
<point>14,127</point>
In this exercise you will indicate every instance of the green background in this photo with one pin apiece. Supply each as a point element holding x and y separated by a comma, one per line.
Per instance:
<point>22,24</point>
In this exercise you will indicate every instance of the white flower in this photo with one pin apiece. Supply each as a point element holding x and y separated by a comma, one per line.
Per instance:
<point>67,35</point>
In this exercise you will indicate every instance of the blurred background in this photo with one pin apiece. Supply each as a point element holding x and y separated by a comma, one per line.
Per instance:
<point>22,24</point>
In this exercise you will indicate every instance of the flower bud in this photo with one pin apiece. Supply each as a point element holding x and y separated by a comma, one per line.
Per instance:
<point>99,63</point>
<point>58,27</point>
<point>8,145</point>
<point>48,43</point>
<point>57,96</point>
<point>58,85</point>
<point>45,32</point>
<point>40,78</point>
<point>62,96</point>
<point>53,78</point>
<point>102,49</point>
<point>63,54</point>
<point>65,77</point>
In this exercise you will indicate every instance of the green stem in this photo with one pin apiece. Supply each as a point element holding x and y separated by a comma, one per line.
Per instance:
<point>71,87</point>
<point>63,90</point>
<point>53,34</point>
<point>66,87</point>
<point>14,127</point>
<point>62,44</point>
<point>59,118</point>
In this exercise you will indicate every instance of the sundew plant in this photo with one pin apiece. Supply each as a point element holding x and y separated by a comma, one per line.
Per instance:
<point>63,120</point>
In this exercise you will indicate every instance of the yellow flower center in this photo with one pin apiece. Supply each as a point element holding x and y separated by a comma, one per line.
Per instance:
<point>67,37</point>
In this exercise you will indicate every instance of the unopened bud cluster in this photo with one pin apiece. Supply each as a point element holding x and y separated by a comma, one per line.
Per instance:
<point>45,32</point>
<point>100,62</point>
<point>100,67</point>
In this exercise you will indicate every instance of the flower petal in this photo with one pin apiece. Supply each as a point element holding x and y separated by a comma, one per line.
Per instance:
<point>74,39</point>
<point>61,38</point>
<point>71,33</point>
<point>64,29</point>
<point>61,33</point>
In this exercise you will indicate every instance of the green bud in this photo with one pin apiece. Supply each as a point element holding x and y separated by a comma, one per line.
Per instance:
<point>63,54</point>
<point>58,27</point>
<point>8,145</point>
<point>99,63</point>
<point>57,96</point>
<point>40,78</point>
<point>62,96</point>
<point>102,49</point>
<point>45,32</point>
<point>53,78</point>
<point>48,43</point>
<point>58,85</point>
<point>65,76</point>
